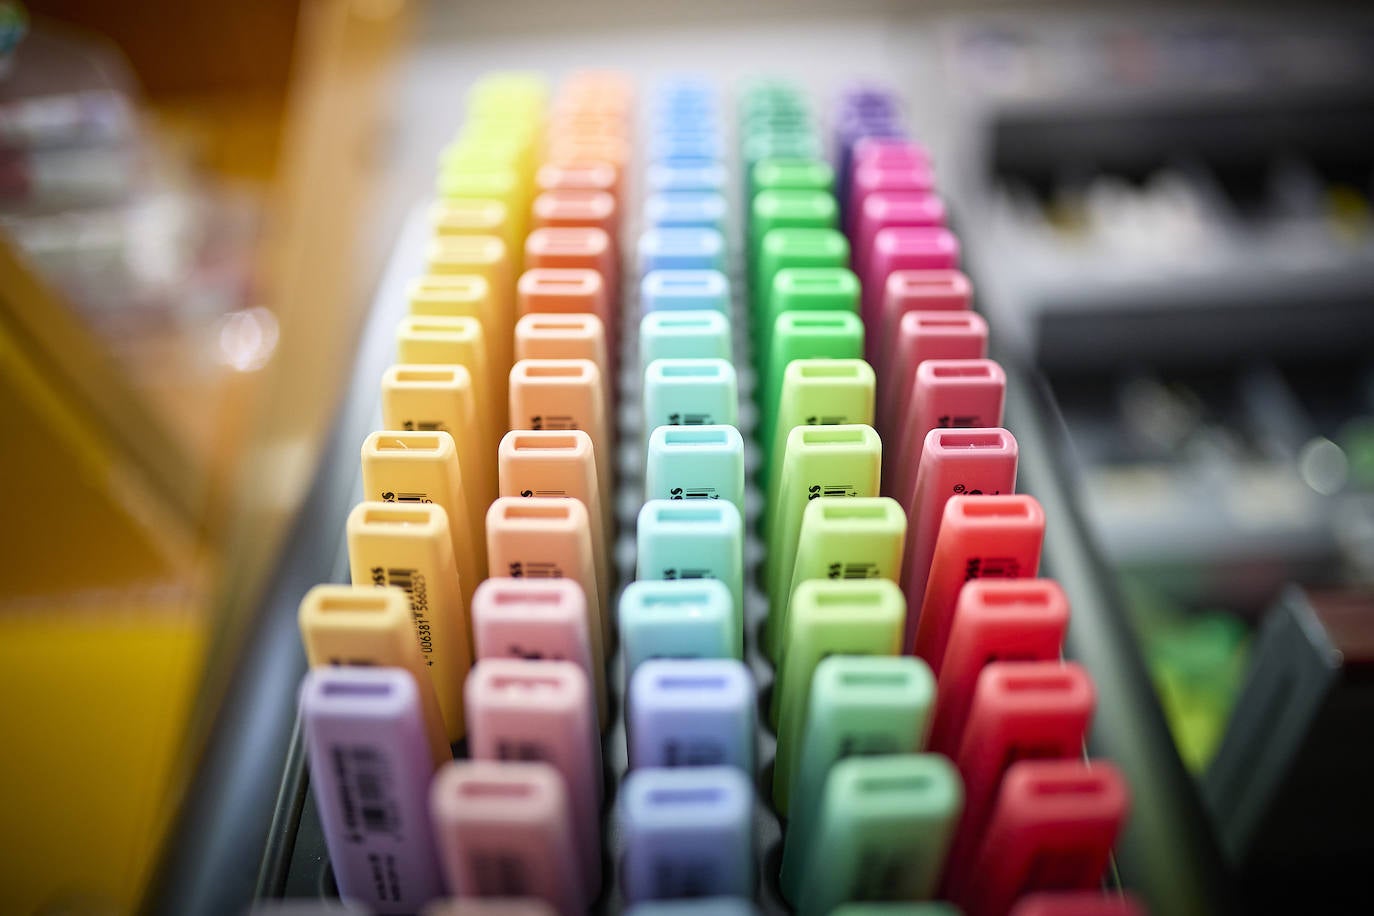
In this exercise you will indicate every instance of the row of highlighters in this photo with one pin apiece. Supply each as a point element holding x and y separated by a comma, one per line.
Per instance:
<point>929,737</point>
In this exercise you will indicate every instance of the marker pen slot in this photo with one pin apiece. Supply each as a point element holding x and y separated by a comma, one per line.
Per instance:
<point>398,515</point>
<point>680,682</point>
<point>684,323</point>
<point>526,682</point>
<point>815,324</point>
<point>843,510</point>
<point>403,375</point>
<point>681,371</point>
<point>832,436</point>
<point>670,514</point>
<point>338,690</point>
<point>353,603</point>
<point>554,326</point>
<point>892,679</point>
<point>475,789</point>
<point>850,597</point>
<point>460,331</point>
<point>526,597</point>
<point>1042,683</point>
<point>1031,597</point>
<point>969,440</point>
<point>545,443</point>
<point>546,371</point>
<point>962,323</point>
<point>948,371</point>
<point>524,512</point>
<point>669,798</point>
<point>822,370</point>
<point>994,507</point>
<point>675,600</point>
<point>882,785</point>
<point>695,437</point>
<point>408,443</point>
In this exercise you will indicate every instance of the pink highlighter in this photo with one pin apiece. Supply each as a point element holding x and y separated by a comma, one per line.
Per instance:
<point>922,336</point>
<point>916,291</point>
<point>522,710</point>
<point>505,830</point>
<point>885,209</point>
<point>901,248</point>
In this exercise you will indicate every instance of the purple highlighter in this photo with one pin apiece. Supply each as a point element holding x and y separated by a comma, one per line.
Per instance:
<point>370,768</point>
<point>691,712</point>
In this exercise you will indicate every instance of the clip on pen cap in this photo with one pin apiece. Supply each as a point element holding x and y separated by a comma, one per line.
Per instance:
<point>441,340</point>
<point>828,618</point>
<point>360,625</point>
<point>690,392</point>
<point>884,829</point>
<point>817,462</point>
<point>859,706</point>
<point>684,290</point>
<point>553,463</point>
<point>903,248</point>
<point>784,248</point>
<point>1021,620</point>
<point>586,248</point>
<point>422,467</point>
<point>888,209</point>
<point>1053,827</point>
<point>966,462</point>
<point>813,392</point>
<point>948,394</point>
<point>1078,903</point>
<point>677,618</point>
<point>681,249</point>
<point>696,462</point>
<point>699,540</point>
<point>980,537</point>
<point>524,710</point>
<point>438,397</point>
<point>691,712</point>
<point>703,334</point>
<point>803,335</point>
<point>370,767</point>
<point>1020,710</point>
<point>549,538</point>
<point>577,209</point>
<point>523,618</point>
<point>409,547</point>
<point>920,336</point>
<point>688,830</point>
<point>506,830</point>
<point>874,177</point>
<point>686,209</point>
<point>847,539</point>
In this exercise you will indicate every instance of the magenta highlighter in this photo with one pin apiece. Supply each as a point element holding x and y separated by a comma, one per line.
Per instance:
<point>370,768</point>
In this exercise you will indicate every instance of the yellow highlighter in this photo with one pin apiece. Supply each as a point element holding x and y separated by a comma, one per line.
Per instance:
<point>408,546</point>
<point>428,398</point>
<point>455,295</point>
<point>422,468</point>
<point>488,257</point>
<point>441,340</point>
<point>365,625</point>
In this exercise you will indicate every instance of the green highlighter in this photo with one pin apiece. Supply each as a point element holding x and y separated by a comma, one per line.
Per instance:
<point>783,248</point>
<point>859,706</point>
<point>883,832</point>
<point>815,392</point>
<point>818,461</point>
<point>828,618</point>
<point>843,539</point>
<point>775,209</point>
<point>804,335</point>
<point>791,175</point>
<point>805,289</point>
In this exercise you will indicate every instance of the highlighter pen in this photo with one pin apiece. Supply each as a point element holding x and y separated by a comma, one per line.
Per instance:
<point>568,291</point>
<point>409,547</point>
<point>677,618</point>
<point>440,340</point>
<point>859,706</point>
<point>578,176</point>
<point>776,209</point>
<point>567,394</point>
<point>1053,827</point>
<point>522,710</point>
<point>680,540</point>
<point>573,209</point>
<point>885,209</point>
<point>429,398</point>
<point>921,336</point>
<point>884,829</point>
<point>948,394</point>
<point>691,713</point>
<point>828,618</point>
<point>414,468</point>
<point>784,248</point>
<point>703,334</point>
<point>818,462</point>
<point>486,256</point>
<point>980,537</point>
<point>686,831</point>
<point>902,248</point>
<point>544,335</point>
<point>1078,903</point>
<point>472,216</point>
<point>534,620</point>
<point>804,335</point>
<point>462,181</point>
<point>1020,710</point>
<point>549,538</point>
<point>972,462</point>
<point>791,175</point>
<point>681,248</point>
<point>696,175</point>
<point>454,296</point>
<point>696,462</point>
<point>804,289</point>
<point>690,392</point>
<point>370,767</point>
<point>1019,620</point>
<point>586,248</point>
<point>686,209</point>
<point>506,830</point>
<point>876,176</point>
<point>846,539</point>
<point>684,290</point>
<point>918,291</point>
<point>358,625</point>
<point>551,463</point>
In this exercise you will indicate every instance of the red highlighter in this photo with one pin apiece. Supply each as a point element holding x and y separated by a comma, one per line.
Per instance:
<point>963,462</point>
<point>917,291</point>
<point>995,620</point>
<point>885,209</point>
<point>919,337</point>
<point>1078,903</point>
<point>948,394</point>
<point>1020,710</point>
<point>987,537</point>
<point>1052,828</point>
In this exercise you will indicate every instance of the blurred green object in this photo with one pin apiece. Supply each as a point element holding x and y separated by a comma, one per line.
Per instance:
<point>1357,440</point>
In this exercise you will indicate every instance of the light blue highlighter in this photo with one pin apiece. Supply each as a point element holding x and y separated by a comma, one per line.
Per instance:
<point>691,713</point>
<point>696,462</point>
<point>694,540</point>
<point>681,248</point>
<point>695,334</point>
<point>687,175</point>
<point>677,618</point>
<point>690,392</point>
<point>684,290</point>
<point>691,209</point>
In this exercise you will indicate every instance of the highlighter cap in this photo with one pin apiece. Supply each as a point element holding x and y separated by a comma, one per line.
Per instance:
<point>680,618</point>
<point>664,290</point>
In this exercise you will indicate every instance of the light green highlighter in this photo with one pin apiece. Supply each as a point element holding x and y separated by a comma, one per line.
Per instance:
<point>860,617</point>
<point>884,830</point>
<point>814,392</point>
<point>859,706</point>
<point>803,289</point>
<point>804,335</point>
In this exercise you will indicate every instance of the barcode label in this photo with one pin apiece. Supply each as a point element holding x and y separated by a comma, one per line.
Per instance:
<point>693,493</point>
<point>686,573</point>
<point>530,569</point>
<point>863,569</point>
<point>699,753</point>
<point>868,744</point>
<point>690,419</point>
<point>401,496</point>
<point>553,421</point>
<point>365,790</point>
<point>960,421</point>
<point>992,568</point>
<point>817,490</point>
<point>412,582</point>
<point>682,877</point>
<point>499,873</point>
<point>879,873</point>
<point>827,420</point>
<point>427,426</point>
<point>529,493</point>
